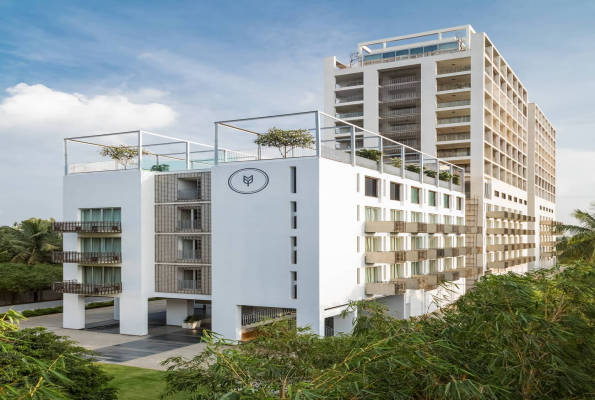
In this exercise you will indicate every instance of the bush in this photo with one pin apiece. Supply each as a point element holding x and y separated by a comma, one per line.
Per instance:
<point>370,154</point>
<point>430,172</point>
<point>413,168</point>
<point>396,162</point>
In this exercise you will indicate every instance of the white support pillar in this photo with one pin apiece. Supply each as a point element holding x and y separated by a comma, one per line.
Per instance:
<point>318,135</point>
<point>117,308</point>
<point>134,314</point>
<point>177,310</point>
<point>74,311</point>
<point>216,155</point>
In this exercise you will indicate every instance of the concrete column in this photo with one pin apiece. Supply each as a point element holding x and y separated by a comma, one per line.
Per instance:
<point>134,315</point>
<point>117,308</point>
<point>177,310</point>
<point>311,318</point>
<point>223,321</point>
<point>74,311</point>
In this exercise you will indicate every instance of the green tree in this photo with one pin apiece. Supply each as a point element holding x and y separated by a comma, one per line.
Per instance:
<point>22,278</point>
<point>370,154</point>
<point>122,154</point>
<point>580,245</point>
<point>286,140</point>
<point>514,336</point>
<point>30,242</point>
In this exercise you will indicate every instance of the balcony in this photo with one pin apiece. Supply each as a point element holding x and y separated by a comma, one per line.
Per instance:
<point>548,254</point>
<point>396,227</point>
<point>550,223</point>
<point>87,227</point>
<point>188,194</point>
<point>473,230</point>
<point>92,289</point>
<point>454,120</point>
<point>456,86</point>
<point>454,70</point>
<point>510,246</point>
<point>349,99</point>
<point>510,216</point>
<point>91,257</point>
<point>404,128</point>
<point>352,114</point>
<point>393,257</point>
<point>454,153</point>
<point>501,264</point>
<point>456,103</point>
<point>393,288</point>
<point>509,231</point>
<point>453,136</point>
<point>194,255</point>
<point>189,225</point>
<point>550,243</point>
<point>346,84</point>
<point>549,232</point>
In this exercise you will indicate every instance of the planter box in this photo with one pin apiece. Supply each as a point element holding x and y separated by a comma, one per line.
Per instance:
<point>191,325</point>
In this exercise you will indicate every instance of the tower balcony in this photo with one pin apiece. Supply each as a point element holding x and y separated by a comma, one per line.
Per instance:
<point>510,246</point>
<point>501,264</point>
<point>509,216</point>
<point>91,257</point>
<point>509,231</point>
<point>87,227</point>
<point>91,289</point>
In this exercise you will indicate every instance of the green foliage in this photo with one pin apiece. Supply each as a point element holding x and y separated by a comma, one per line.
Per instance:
<point>160,168</point>
<point>138,383</point>
<point>286,140</point>
<point>59,309</point>
<point>413,168</point>
<point>370,154</point>
<point>191,319</point>
<point>430,172</point>
<point>514,336</point>
<point>21,278</point>
<point>396,162</point>
<point>122,154</point>
<point>30,242</point>
<point>580,245</point>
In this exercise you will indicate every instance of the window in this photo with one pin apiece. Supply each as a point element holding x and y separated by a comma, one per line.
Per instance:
<point>509,197</point>
<point>397,215</point>
<point>415,195</point>
<point>446,200</point>
<point>416,217</point>
<point>101,275</point>
<point>448,241</point>
<point>372,244</point>
<point>497,193</point>
<point>459,203</point>
<point>447,220</point>
<point>371,187</point>
<point>432,198</point>
<point>433,266</point>
<point>432,242</point>
<point>189,249</point>
<point>447,263</point>
<point>292,179</point>
<point>191,279</point>
<point>396,243</point>
<point>460,262</point>
<point>434,218</point>
<point>293,284</point>
<point>396,271</point>
<point>415,268</point>
<point>293,210</point>
<point>101,245</point>
<point>189,218</point>
<point>372,214</point>
<point>189,189</point>
<point>293,249</point>
<point>357,183</point>
<point>460,241</point>
<point>395,191</point>
<point>417,243</point>
<point>101,214</point>
<point>372,274</point>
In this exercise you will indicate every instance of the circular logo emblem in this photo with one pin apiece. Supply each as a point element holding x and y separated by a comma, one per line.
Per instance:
<point>248,181</point>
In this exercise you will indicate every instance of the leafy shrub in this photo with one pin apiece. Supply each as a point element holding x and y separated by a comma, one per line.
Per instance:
<point>413,168</point>
<point>370,154</point>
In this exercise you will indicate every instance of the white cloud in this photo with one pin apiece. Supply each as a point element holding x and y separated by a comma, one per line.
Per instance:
<point>37,109</point>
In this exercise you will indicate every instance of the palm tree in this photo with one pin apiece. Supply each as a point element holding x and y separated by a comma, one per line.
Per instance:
<point>30,242</point>
<point>580,246</point>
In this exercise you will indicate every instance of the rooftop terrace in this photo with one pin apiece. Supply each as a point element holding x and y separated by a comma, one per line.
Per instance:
<point>234,142</point>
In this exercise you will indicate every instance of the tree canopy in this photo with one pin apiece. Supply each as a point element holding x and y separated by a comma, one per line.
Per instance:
<point>513,336</point>
<point>122,154</point>
<point>30,242</point>
<point>580,245</point>
<point>286,140</point>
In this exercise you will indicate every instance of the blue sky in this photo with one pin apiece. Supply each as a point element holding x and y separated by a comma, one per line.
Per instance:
<point>175,67</point>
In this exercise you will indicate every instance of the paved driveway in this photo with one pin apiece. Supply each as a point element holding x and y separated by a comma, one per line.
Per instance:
<point>148,351</point>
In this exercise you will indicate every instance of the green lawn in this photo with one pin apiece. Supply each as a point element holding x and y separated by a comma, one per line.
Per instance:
<point>138,383</point>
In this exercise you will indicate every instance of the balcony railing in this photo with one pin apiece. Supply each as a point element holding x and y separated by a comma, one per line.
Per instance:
<point>506,215</point>
<point>456,86</point>
<point>93,289</point>
<point>189,254</point>
<point>341,85</point>
<point>509,231</point>
<point>188,224</point>
<point>452,70</point>
<point>453,136</point>
<point>188,194</point>
<point>403,96</point>
<point>186,284</point>
<point>350,114</point>
<point>344,130</point>
<point>454,153</point>
<point>456,103</point>
<point>398,81</point>
<point>401,112</point>
<point>260,315</point>
<point>328,331</point>
<point>92,257</point>
<point>87,227</point>
<point>404,127</point>
<point>454,120</point>
<point>349,99</point>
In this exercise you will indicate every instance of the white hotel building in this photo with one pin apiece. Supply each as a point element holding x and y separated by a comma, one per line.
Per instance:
<point>254,235</point>
<point>450,93</point>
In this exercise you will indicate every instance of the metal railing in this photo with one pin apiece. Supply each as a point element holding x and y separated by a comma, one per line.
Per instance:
<point>189,254</point>
<point>454,153</point>
<point>87,226</point>
<point>260,315</point>
<point>456,103</point>
<point>189,224</point>
<point>453,136</point>
<point>74,287</point>
<point>349,99</point>
<point>340,85</point>
<point>345,130</point>
<point>405,57</point>
<point>403,96</point>
<point>188,194</point>
<point>456,86</point>
<point>404,127</point>
<point>452,70</point>
<point>454,120</point>
<point>401,111</point>
<point>328,331</point>
<point>350,114</point>
<point>92,257</point>
<point>403,79</point>
<point>187,284</point>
